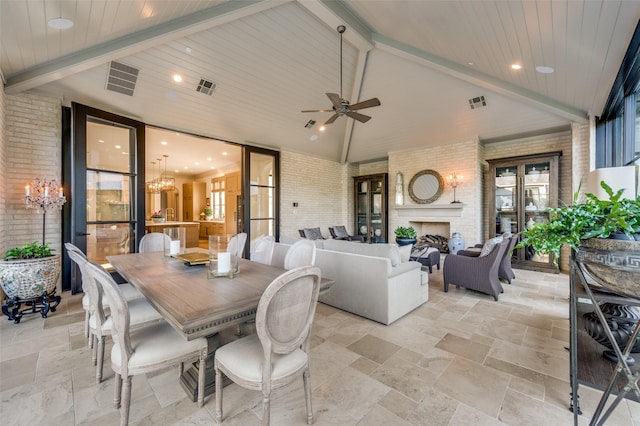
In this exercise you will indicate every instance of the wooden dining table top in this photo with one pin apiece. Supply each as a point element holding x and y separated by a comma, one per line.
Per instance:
<point>193,304</point>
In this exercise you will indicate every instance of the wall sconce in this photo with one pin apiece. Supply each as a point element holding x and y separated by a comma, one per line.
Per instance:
<point>454,180</point>
<point>399,189</point>
<point>44,195</point>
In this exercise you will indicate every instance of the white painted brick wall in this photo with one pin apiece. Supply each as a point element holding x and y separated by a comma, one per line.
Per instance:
<point>31,148</point>
<point>4,228</point>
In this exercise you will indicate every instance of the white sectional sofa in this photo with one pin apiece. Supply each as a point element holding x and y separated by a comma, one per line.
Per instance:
<point>371,280</point>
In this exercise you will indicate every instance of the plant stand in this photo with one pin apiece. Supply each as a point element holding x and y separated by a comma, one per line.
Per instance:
<point>44,303</point>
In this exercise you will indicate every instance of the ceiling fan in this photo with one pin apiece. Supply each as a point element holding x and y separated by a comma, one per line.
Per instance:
<point>341,106</point>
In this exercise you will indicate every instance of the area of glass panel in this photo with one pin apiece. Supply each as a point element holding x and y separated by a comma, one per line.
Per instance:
<point>107,240</point>
<point>506,200</point>
<point>261,169</point>
<point>363,210</point>
<point>109,147</point>
<point>536,202</point>
<point>260,228</point>
<point>108,197</point>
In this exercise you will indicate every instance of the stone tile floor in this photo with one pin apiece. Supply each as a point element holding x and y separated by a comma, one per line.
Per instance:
<point>459,359</point>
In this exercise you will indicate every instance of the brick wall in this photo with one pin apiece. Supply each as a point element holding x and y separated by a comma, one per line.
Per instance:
<point>31,148</point>
<point>322,189</point>
<point>461,158</point>
<point>3,175</point>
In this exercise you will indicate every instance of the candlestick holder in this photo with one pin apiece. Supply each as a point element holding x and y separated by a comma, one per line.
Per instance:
<point>454,180</point>
<point>44,195</point>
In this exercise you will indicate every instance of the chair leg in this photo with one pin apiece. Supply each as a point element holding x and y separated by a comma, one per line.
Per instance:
<point>86,324</point>
<point>100,362</point>
<point>94,349</point>
<point>307,395</point>
<point>201,377</point>
<point>218,394</point>
<point>126,401</point>
<point>266,407</point>
<point>117,391</point>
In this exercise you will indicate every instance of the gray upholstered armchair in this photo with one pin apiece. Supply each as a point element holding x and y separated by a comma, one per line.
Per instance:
<point>340,233</point>
<point>476,273</point>
<point>504,271</point>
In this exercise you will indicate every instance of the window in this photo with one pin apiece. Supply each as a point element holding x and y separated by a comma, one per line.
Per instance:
<point>217,198</point>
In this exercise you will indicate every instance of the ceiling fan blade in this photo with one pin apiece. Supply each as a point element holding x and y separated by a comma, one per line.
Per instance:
<point>333,118</point>
<point>318,110</point>
<point>335,100</point>
<point>357,116</point>
<point>365,104</point>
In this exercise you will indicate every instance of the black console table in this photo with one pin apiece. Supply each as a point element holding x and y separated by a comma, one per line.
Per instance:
<point>587,366</point>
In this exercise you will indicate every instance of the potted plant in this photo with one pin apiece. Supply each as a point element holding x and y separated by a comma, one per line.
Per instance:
<point>158,216</point>
<point>602,233</point>
<point>405,235</point>
<point>28,275</point>
<point>208,213</point>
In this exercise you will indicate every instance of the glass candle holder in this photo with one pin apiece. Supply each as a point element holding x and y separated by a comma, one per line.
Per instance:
<point>176,242</point>
<point>221,262</point>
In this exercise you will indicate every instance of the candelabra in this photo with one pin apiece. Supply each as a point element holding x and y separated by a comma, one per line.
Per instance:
<point>38,195</point>
<point>454,180</point>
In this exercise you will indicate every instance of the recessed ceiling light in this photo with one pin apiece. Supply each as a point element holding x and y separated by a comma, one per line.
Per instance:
<point>100,141</point>
<point>196,163</point>
<point>470,63</point>
<point>125,153</point>
<point>187,49</point>
<point>117,146</point>
<point>186,167</point>
<point>177,78</point>
<point>163,143</point>
<point>544,69</point>
<point>60,23</point>
<point>322,129</point>
<point>225,153</point>
<point>209,159</point>
<point>516,66</point>
<point>211,167</point>
<point>313,137</point>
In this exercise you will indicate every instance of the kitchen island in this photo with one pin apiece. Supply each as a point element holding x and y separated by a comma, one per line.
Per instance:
<point>191,230</point>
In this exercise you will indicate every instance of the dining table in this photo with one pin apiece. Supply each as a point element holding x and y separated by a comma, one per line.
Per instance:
<point>196,305</point>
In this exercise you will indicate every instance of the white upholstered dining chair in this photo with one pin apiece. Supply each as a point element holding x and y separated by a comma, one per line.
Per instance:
<point>301,253</point>
<point>129,292</point>
<point>154,348</point>
<point>236,244</point>
<point>279,353</point>
<point>153,241</point>
<point>101,324</point>
<point>263,249</point>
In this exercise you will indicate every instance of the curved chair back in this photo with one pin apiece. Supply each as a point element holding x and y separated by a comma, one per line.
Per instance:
<point>90,286</point>
<point>236,244</point>
<point>301,253</point>
<point>263,249</point>
<point>504,270</point>
<point>152,242</point>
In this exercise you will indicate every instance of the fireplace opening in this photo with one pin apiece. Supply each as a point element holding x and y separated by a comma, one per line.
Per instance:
<point>432,234</point>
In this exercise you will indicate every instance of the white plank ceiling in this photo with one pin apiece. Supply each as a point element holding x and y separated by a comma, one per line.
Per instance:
<point>271,59</point>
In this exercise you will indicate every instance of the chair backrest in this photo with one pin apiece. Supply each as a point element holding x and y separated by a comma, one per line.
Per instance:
<point>119,313</point>
<point>301,253</point>
<point>263,249</point>
<point>71,247</point>
<point>281,330</point>
<point>236,244</point>
<point>338,232</point>
<point>90,286</point>
<point>153,241</point>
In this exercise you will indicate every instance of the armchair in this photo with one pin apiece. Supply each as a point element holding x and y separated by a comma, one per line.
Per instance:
<point>504,271</point>
<point>476,273</point>
<point>340,233</point>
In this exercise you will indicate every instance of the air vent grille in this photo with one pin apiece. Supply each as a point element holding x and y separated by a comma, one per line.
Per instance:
<point>122,78</point>
<point>477,102</point>
<point>310,124</point>
<point>205,86</point>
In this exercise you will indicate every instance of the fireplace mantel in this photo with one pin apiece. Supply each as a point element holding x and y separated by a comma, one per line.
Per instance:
<point>428,211</point>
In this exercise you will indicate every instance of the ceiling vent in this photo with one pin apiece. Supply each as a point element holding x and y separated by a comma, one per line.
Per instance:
<point>477,102</point>
<point>205,86</point>
<point>122,78</point>
<point>310,124</point>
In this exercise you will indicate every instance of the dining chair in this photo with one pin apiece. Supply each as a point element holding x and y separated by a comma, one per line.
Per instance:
<point>263,249</point>
<point>152,242</point>
<point>129,292</point>
<point>280,351</point>
<point>156,348</point>
<point>236,244</point>
<point>301,253</point>
<point>101,324</point>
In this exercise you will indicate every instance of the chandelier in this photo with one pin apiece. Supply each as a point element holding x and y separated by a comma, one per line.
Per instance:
<point>167,183</point>
<point>153,186</point>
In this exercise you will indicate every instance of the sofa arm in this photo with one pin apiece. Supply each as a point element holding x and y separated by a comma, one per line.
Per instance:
<point>404,267</point>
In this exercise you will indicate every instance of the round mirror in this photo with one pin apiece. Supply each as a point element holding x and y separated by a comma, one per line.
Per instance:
<point>426,186</point>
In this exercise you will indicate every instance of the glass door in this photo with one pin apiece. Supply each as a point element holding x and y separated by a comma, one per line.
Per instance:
<point>506,199</point>
<point>536,193</point>
<point>362,209</point>
<point>258,204</point>
<point>108,196</point>
<point>377,212</point>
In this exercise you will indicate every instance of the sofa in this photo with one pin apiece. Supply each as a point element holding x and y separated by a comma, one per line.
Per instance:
<point>375,281</point>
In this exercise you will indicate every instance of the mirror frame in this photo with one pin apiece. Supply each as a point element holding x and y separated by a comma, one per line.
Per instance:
<point>435,196</point>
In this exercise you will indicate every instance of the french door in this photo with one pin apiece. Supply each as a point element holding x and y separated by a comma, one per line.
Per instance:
<point>107,215</point>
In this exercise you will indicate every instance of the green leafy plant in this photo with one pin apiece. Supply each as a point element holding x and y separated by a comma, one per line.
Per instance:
<point>405,232</point>
<point>157,215</point>
<point>589,218</point>
<point>208,211</point>
<point>29,251</point>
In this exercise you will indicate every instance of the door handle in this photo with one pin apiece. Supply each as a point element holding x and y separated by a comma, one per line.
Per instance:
<point>82,234</point>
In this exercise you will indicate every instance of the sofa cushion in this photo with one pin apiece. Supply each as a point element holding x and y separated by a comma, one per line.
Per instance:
<point>490,245</point>
<point>405,252</point>
<point>313,233</point>
<point>340,231</point>
<point>389,251</point>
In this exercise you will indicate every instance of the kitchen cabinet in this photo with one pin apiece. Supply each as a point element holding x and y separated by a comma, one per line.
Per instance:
<point>233,189</point>
<point>194,198</point>
<point>521,190</point>
<point>371,219</point>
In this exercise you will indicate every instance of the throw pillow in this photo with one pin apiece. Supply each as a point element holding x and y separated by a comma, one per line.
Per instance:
<point>490,245</point>
<point>340,231</point>
<point>313,233</point>
<point>405,253</point>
